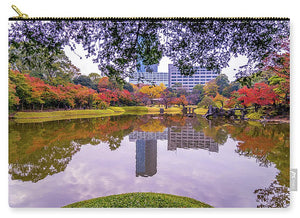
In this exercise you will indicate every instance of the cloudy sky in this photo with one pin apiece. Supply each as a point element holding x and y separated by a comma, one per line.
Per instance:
<point>87,66</point>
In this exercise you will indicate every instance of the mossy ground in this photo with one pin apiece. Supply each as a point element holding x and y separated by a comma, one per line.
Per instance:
<point>140,200</point>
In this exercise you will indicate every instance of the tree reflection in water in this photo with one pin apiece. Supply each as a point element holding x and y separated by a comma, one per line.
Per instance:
<point>273,196</point>
<point>269,144</point>
<point>37,150</point>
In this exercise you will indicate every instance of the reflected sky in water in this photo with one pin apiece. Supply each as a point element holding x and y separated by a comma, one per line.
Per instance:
<point>175,155</point>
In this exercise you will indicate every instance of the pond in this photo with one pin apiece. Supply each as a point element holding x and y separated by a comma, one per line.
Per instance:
<point>221,163</point>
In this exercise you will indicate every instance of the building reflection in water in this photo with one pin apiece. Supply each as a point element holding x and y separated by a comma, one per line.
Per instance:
<point>146,157</point>
<point>178,137</point>
<point>187,137</point>
<point>146,151</point>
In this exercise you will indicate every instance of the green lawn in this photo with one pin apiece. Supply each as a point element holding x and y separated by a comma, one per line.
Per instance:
<point>170,110</point>
<point>201,111</point>
<point>29,117</point>
<point>140,200</point>
<point>42,116</point>
<point>138,110</point>
<point>61,113</point>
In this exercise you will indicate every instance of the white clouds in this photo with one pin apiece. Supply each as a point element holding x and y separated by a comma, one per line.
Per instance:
<point>234,63</point>
<point>221,179</point>
<point>85,65</point>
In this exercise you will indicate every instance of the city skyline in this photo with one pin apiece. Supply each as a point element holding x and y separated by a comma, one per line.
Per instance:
<point>184,137</point>
<point>172,76</point>
<point>87,66</point>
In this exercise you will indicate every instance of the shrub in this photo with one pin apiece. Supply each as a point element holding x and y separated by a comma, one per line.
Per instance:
<point>273,113</point>
<point>103,105</point>
<point>206,101</point>
<point>254,116</point>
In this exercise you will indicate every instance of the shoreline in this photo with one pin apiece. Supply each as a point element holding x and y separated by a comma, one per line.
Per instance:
<point>52,115</point>
<point>44,116</point>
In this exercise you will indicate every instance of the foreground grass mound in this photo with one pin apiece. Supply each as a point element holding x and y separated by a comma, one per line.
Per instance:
<point>140,200</point>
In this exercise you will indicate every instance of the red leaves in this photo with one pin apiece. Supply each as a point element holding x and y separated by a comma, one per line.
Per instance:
<point>261,94</point>
<point>180,101</point>
<point>103,83</point>
<point>68,95</point>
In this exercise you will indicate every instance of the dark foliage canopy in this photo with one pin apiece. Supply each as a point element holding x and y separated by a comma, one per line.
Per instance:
<point>119,46</point>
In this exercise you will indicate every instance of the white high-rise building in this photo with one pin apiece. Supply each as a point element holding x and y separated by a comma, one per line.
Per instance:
<point>201,76</point>
<point>149,75</point>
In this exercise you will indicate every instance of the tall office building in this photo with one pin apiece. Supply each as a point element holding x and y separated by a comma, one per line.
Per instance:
<point>201,76</point>
<point>150,75</point>
<point>151,78</point>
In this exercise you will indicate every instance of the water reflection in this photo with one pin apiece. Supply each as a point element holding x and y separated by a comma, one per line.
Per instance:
<point>40,150</point>
<point>269,145</point>
<point>187,137</point>
<point>146,157</point>
<point>146,150</point>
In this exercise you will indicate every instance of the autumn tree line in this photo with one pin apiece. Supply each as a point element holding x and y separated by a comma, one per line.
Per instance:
<point>55,83</point>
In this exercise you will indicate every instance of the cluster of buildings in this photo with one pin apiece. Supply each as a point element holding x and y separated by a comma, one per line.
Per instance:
<point>184,137</point>
<point>150,75</point>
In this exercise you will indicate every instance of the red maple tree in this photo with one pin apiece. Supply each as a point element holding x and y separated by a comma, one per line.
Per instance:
<point>261,94</point>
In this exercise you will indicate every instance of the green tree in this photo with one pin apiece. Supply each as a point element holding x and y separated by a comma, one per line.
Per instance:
<point>199,91</point>
<point>22,88</point>
<point>233,86</point>
<point>220,98</point>
<point>211,88</point>
<point>95,77</point>
<point>179,90</point>
<point>222,82</point>
<point>84,81</point>
<point>206,101</point>
<point>128,87</point>
<point>52,66</point>
<point>13,99</point>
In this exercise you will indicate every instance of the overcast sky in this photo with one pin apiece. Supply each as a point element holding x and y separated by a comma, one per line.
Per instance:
<point>87,66</point>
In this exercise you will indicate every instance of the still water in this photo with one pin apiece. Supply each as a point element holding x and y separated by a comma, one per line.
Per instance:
<point>224,164</point>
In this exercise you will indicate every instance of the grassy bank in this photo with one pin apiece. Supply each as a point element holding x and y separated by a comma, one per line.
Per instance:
<point>201,111</point>
<point>30,117</point>
<point>170,110</point>
<point>140,200</point>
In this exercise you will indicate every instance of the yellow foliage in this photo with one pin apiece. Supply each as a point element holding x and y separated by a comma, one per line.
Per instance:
<point>220,98</point>
<point>211,88</point>
<point>153,126</point>
<point>153,91</point>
